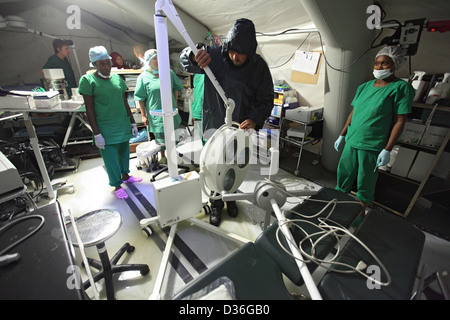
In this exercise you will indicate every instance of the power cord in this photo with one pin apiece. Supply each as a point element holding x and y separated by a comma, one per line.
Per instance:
<point>325,230</point>
<point>6,259</point>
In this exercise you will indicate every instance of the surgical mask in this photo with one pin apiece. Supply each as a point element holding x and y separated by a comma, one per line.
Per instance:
<point>382,74</point>
<point>102,75</point>
<point>155,71</point>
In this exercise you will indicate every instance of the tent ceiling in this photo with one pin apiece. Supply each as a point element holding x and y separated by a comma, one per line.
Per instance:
<point>134,18</point>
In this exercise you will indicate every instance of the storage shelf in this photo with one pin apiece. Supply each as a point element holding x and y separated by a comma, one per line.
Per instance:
<point>399,194</point>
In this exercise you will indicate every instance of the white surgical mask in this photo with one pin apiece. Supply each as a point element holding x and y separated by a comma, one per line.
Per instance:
<point>102,75</point>
<point>381,74</point>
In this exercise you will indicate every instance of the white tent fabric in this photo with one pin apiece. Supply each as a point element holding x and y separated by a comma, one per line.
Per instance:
<point>127,26</point>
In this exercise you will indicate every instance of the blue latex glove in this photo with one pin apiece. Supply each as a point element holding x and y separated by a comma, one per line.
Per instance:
<point>383,158</point>
<point>337,144</point>
<point>99,141</point>
<point>134,130</point>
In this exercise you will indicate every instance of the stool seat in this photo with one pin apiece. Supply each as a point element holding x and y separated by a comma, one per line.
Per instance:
<point>96,226</point>
<point>147,149</point>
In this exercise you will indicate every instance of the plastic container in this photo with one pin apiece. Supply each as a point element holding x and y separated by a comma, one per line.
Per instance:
<point>418,84</point>
<point>439,91</point>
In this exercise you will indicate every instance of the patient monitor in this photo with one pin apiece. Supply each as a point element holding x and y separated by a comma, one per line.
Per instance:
<point>9,176</point>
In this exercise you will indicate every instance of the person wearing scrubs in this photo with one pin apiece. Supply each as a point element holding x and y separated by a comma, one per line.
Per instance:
<point>148,96</point>
<point>60,60</point>
<point>244,76</point>
<point>110,117</point>
<point>380,109</point>
<point>197,103</point>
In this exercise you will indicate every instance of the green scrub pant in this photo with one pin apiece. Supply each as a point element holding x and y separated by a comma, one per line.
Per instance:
<point>359,164</point>
<point>116,158</point>
<point>160,139</point>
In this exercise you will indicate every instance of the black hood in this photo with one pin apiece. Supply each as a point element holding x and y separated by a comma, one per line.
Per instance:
<point>242,38</point>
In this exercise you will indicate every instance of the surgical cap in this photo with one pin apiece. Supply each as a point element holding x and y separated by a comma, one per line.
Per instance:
<point>149,55</point>
<point>98,53</point>
<point>395,53</point>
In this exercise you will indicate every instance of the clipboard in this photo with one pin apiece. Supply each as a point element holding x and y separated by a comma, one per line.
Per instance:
<point>303,77</point>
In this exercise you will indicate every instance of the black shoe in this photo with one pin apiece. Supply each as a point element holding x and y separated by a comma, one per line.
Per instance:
<point>232,209</point>
<point>216,212</point>
<point>215,217</point>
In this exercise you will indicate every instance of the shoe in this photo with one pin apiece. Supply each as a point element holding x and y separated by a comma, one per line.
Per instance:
<point>121,193</point>
<point>232,209</point>
<point>133,179</point>
<point>215,216</point>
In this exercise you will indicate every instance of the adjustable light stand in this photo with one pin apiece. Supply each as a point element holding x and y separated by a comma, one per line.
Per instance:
<point>265,196</point>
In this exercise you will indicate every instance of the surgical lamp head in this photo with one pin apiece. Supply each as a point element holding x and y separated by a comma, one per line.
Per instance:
<point>225,159</point>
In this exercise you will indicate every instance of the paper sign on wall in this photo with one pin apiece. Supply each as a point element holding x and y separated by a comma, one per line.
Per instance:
<point>306,62</point>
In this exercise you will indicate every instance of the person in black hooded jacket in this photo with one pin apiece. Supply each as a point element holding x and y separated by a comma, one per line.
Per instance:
<point>245,78</point>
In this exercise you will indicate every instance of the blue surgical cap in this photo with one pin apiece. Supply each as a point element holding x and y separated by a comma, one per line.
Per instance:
<point>98,53</point>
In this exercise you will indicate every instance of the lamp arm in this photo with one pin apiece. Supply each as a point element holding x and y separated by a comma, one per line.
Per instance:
<point>168,9</point>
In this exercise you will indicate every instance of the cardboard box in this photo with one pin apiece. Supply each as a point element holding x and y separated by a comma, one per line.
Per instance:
<point>412,133</point>
<point>403,161</point>
<point>433,136</point>
<point>421,165</point>
<point>442,168</point>
<point>17,102</point>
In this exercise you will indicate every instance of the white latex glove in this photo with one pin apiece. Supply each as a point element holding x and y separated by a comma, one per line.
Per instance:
<point>134,130</point>
<point>99,141</point>
<point>383,158</point>
<point>337,144</point>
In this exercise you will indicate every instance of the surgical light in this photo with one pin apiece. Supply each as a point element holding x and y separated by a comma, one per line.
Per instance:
<point>225,159</point>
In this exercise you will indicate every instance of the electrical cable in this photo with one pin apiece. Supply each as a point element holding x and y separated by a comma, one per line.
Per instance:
<point>326,230</point>
<point>14,222</point>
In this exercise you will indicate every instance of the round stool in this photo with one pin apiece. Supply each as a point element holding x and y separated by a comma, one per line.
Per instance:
<point>95,228</point>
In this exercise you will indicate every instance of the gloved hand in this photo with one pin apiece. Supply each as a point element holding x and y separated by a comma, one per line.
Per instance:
<point>383,158</point>
<point>134,130</point>
<point>99,141</point>
<point>337,144</point>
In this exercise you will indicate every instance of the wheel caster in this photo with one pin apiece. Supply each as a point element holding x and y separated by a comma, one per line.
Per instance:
<point>206,209</point>
<point>147,231</point>
<point>146,271</point>
<point>131,249</point>
<point>139,167</point>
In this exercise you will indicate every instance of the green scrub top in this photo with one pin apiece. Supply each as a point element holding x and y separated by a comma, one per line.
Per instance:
<point>148,89</point>
<point>373,113</point>
<point>111,115</point>
<point>54,62</point>
<point>197,101</point>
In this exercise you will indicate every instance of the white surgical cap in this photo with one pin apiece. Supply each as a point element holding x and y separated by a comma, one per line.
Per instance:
<point>98,53</point>
<point>149,55</point>
<point>395,53</point>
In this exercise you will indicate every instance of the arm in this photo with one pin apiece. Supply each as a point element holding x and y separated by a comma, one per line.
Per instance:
<point>127,107</point>
<point>397,129</point>
<point>347,123</point>
<point>90,112</point>
<point>143,111</point>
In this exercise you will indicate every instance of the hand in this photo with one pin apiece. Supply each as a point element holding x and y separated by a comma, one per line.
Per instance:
<point>383,158</point>
<point>202,58</point>
<point>337,144</point>
<point>247,124</point>
<point>134,130</point>
<point>99,141</point>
